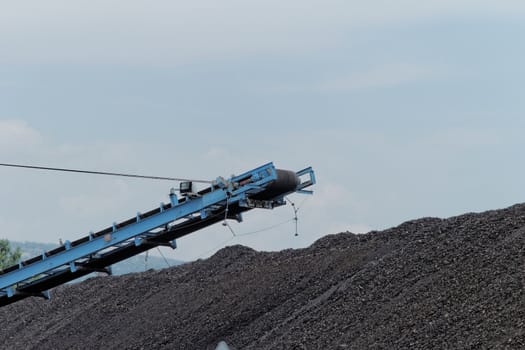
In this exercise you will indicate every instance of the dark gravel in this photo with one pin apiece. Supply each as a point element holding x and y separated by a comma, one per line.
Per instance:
<point>456,283</point>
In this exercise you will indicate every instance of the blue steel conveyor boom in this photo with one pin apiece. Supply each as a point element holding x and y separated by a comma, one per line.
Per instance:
<point>263,187</point>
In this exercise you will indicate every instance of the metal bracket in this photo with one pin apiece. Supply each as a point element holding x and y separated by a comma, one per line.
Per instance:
<point>261,204</point>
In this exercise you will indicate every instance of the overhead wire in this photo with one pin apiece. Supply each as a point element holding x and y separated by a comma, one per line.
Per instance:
<point>264,229</point>
<point>35,167</point>
<point>216,247</point>
<point>146,261</point>
<point>303,202</point>
<point>225,222</point>
<point>236,235</point>
<point>165,260</point>
<point>295,218</point>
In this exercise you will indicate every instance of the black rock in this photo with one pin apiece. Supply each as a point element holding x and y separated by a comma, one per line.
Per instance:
<point>456,283</point>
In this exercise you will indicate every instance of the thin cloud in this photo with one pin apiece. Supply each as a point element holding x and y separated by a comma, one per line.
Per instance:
<point>381,77</point>
<point>17,135</point>
<point>468,138</point>
<point>172,32</point>
<point>384,76</point>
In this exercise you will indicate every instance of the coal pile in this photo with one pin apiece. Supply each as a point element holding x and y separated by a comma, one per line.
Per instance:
<point>454,283</point>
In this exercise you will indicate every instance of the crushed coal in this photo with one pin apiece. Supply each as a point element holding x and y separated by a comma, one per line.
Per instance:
<point>426,284</point>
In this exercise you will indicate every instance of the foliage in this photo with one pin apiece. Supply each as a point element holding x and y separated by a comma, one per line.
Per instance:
<point>8,256</point>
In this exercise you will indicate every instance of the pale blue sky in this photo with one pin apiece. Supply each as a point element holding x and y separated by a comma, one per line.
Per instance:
<point>405,109</point>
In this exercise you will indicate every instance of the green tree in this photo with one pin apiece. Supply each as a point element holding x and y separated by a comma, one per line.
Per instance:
<point>8,256</point>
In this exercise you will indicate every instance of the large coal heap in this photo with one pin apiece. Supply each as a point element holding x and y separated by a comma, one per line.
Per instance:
<point>426,284</point>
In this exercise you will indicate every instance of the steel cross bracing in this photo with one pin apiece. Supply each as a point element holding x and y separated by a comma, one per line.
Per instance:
<point>161,226</point>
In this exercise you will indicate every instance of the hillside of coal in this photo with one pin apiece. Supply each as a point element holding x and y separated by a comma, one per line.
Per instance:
<point>431,283</point>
